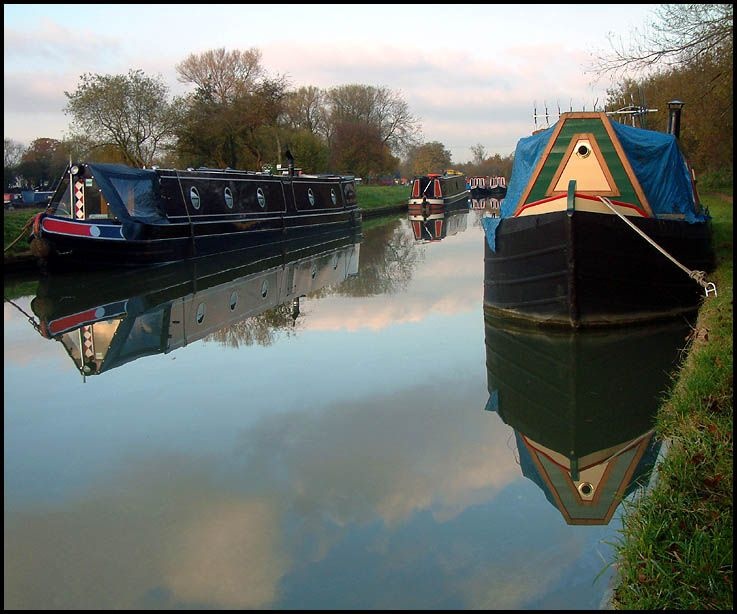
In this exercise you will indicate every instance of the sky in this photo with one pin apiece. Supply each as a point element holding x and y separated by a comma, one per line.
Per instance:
<point>472,74</point>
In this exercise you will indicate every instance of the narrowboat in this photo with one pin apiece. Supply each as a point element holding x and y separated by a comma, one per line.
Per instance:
<point>582,405</point>
<point>487,187</point>
<point>106,319</point>
<point>437,227</point>
<point>601,226</point>
<point>111,215</point>
<point>434,194</point>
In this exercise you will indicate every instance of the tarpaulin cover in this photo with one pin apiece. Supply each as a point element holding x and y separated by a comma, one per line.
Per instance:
<point>132,193</point>
<point>654,157</point>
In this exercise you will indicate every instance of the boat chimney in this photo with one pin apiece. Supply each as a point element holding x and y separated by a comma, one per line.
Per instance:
<point>290,160</point>
<point>674,117</point>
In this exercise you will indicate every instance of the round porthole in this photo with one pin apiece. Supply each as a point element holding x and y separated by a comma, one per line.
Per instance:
<point>264,288</point>
<point>233,300</point>
<point>311,197</point>
<point>582,151</point>
<point>586,489</point>
<point>261,197</point>
<point>194,197</point>
<point>228,198</point>
<point>200,316</point>
<point>333,197</point>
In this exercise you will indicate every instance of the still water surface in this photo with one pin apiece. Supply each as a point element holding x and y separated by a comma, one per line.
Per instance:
<point>338,429</point>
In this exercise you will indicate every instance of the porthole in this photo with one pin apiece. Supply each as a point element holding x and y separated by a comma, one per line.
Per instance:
<point>333,197</point>
<point>228,198</point>
<point>586,489</point>
<point>313,273</point>
<point>261,197</point>
<point>200,316</point>
<point>264,288</point>
<point>233,300</point>
<point>194,197</point>
<point>311,197</point>
<point>582,151</point>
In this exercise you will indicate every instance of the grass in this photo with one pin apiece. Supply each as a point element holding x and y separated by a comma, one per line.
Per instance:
<point>675,547</point>
<point>14,225</point>
<point>377,196</point>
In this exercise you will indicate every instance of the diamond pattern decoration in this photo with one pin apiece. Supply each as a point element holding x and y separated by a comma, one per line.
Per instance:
<point>79,200</point>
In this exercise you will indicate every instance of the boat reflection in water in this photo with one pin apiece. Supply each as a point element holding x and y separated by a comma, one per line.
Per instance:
<point>430,227</point>
<point>489,205</point>
<point>106,320</point>
<point>582,406</point>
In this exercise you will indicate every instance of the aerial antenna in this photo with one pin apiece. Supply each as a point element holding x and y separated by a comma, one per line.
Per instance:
<point>534,114</point>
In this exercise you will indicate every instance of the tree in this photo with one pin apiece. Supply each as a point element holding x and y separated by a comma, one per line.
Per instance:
<point>359,148</point>
<point>678,35</point>
<point>685,54</point>
<point>43,163</point>
<point>304,109</point>
<point>379,107</point>
<point>226,75</point>
<point>479,153</point>
<point>429,158</point>
<point>131,112</point>
<point>11,159</point>
<point>232,117</point>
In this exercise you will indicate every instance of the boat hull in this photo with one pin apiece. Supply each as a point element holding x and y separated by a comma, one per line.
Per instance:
<point>152,244</point>
<point>582,269</point>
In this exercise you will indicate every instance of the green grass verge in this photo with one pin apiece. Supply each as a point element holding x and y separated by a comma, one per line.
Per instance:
<point>376,196</point>
<point>675,547</point>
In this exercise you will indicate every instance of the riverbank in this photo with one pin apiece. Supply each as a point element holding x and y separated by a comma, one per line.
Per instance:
<point>675,551</point>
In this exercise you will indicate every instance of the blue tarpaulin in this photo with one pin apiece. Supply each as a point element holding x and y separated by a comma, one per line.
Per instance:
<point>654,157</point>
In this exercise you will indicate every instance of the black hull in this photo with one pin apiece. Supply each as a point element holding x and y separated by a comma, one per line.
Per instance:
<point>590,269</point>
<point>163,244</point>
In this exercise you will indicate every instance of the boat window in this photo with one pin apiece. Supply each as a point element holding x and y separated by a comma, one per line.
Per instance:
<point>200,316</point>
<point>228,198</point>
<point>583,151</point>
<point>311,196</point>
<point>136,195</point>
<point>261,197</point>
<point>233,300</point>
<point>264,288</point>
<point>61,203</point>
<point>194,197</point>
<point>333,197</point>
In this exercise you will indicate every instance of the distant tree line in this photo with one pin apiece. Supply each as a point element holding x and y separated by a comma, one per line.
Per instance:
<point>239,116</point>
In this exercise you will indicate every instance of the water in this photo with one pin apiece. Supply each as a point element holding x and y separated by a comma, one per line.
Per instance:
<point>373,444</point>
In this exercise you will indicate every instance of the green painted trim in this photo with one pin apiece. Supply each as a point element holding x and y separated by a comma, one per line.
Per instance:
<point>570,128</point>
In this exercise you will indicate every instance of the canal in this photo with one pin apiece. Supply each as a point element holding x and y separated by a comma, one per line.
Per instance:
<point>338,428</point>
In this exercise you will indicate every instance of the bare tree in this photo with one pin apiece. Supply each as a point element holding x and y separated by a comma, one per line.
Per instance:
<point>378,107</point>
<point>679,34</point>
<point>305,110</point>
<point>479,153</point>
<point>224,75</point>
<point>12,153</point>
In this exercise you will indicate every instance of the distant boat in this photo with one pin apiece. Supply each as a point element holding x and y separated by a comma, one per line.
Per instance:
<point>434,194</point>
<point>582,405</point>
<point>487,187</point>
<point>601,225</point>
<point>107,319</point>
<point>112,216</point>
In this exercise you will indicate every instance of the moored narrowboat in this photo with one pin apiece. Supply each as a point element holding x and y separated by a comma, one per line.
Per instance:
<point>111,215</point>
<point>434,194</point>
<point>601,226</point>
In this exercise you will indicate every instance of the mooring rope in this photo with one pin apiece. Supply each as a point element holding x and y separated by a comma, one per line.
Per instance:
<point>22,233</point>
<point>698,276</point>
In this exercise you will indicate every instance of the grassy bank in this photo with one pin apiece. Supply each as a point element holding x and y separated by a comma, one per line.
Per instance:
<point>378,196</point>
<point>675,551</point>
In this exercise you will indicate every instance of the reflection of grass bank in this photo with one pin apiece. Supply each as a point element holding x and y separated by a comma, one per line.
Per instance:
<point>675,550</point>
